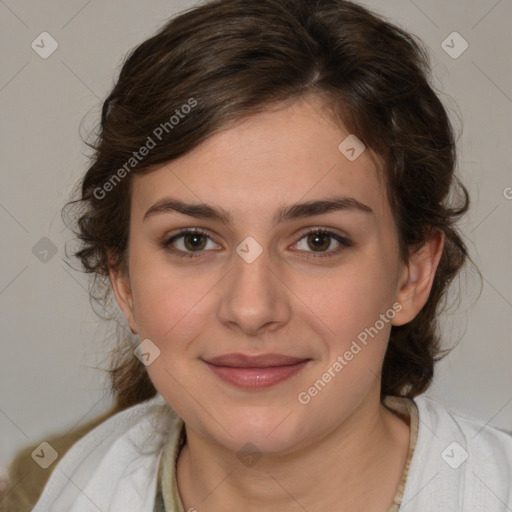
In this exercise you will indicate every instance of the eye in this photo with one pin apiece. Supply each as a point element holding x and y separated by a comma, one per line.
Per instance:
<point>195,240</point>
<point>321,240</point>
<point>187,242</point>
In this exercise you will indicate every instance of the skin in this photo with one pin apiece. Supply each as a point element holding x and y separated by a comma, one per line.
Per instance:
<point>343,450</point>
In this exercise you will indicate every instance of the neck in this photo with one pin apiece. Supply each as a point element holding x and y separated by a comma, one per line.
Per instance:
<point>359,465</point>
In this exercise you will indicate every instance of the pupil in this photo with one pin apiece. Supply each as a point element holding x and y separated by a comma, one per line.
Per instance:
<point>196,240</point>
<point>316,237</point>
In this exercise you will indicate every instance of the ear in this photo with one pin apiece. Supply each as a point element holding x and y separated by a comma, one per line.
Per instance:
<point>120,281</point>
<point>417,277</point>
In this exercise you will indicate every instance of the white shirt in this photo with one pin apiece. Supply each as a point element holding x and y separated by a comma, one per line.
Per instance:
<point>458,464</point>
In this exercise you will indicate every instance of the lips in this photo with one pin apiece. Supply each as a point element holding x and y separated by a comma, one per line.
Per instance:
<point>261,361</point>
<point>255,372</point>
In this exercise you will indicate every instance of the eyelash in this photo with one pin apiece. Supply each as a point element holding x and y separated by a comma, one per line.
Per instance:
<point>345,242</point>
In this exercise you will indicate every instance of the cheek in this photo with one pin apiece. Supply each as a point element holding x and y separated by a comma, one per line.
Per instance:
<point>349,300</point>
<point>171,311</point>
<point>171,303</point>
<point>163,306</point>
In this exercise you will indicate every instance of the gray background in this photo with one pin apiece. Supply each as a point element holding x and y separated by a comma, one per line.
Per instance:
<point>51,341</point>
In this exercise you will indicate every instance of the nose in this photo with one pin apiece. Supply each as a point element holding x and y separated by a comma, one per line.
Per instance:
<point>254,296</point>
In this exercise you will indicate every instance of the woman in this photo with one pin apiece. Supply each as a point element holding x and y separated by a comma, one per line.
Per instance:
<point>269,204</point>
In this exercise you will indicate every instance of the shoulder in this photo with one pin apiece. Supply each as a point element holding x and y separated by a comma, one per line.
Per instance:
<point>483,442</point>
<point>115,465</point>
<point>458,462</point>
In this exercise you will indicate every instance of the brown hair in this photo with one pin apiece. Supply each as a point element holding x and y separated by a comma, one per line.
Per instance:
<point>232,58</point>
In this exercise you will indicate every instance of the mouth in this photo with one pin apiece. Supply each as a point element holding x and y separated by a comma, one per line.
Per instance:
<point>255,372</point>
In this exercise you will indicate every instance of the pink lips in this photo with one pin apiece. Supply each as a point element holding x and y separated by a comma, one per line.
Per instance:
<point>255,372</point>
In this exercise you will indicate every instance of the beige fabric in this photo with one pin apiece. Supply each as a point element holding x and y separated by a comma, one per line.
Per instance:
<point>168,485</point>
<point>407,409</point>
<point>168,497</point>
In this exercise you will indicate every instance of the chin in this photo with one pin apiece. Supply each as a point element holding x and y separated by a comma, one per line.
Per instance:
<point>264,431</point>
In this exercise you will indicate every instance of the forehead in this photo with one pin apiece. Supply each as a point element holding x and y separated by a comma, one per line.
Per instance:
<point>280,156</point>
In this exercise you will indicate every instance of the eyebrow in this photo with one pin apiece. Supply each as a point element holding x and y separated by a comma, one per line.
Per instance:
<point>286,213</point>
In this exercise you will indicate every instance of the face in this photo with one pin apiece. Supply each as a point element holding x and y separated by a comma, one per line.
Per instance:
<point>273,315</point>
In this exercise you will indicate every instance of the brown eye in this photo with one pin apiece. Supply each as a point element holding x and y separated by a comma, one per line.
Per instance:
<point>188,242</point>
<point>194,241</point>
<point>320,241</point>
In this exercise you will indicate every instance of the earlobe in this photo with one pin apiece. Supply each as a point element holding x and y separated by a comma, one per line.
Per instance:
<point>417,278</point>
<point>120,281</point>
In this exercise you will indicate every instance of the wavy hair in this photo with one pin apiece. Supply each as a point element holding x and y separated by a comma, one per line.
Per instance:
<point>235,58</point>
